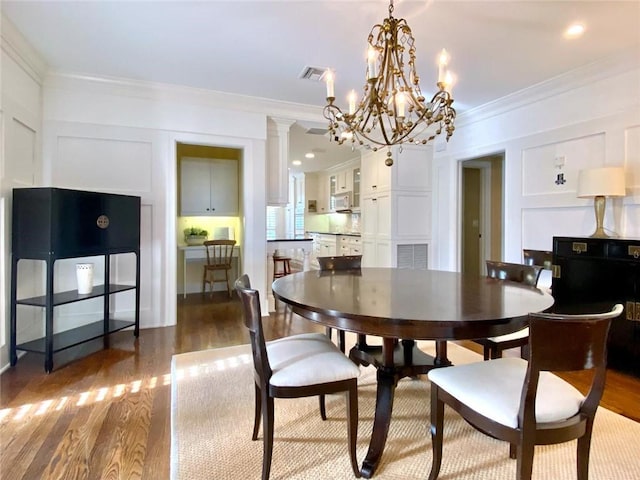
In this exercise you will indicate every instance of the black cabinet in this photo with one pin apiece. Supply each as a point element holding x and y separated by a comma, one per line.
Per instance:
<point>49,224</point>
<point>595,273</point>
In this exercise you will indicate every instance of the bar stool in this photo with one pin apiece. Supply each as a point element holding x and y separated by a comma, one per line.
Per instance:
<point>281,266</point>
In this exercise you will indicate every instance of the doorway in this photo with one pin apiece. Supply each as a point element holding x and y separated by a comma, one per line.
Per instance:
<point>208,208</point>
<point>482,212</point>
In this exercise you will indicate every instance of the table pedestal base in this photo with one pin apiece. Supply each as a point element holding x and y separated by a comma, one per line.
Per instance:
<point>393,361</point>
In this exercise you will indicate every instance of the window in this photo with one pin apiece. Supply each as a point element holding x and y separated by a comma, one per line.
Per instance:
<point>272,222</point>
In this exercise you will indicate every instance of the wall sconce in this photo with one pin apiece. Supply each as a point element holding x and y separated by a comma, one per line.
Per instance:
<point>601,183</point>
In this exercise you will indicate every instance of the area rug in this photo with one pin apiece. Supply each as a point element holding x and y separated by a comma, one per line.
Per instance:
<point>212,421</point>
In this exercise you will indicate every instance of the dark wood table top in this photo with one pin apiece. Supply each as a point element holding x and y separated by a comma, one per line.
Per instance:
<point>417,304</point>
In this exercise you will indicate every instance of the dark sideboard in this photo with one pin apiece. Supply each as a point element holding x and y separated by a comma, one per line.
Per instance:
<point>50,224</point>
<point>594,273</point>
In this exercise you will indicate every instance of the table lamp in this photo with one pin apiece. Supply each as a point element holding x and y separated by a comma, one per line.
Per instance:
<point>600,183</point>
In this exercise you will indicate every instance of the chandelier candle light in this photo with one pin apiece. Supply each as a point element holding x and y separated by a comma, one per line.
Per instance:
<point>393,110</point>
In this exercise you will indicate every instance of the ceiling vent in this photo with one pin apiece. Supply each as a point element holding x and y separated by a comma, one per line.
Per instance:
<point>317,131</point>
<point>312,73</point>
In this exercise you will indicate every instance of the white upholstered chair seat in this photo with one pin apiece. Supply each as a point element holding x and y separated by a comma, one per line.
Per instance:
<point>493,389</point>
<point>308,359</point>
<point>524,333</point>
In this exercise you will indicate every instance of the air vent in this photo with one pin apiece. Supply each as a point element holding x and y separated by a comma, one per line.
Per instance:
<point>413,256</point>
<point>317,131</point>
<point>312,73</point>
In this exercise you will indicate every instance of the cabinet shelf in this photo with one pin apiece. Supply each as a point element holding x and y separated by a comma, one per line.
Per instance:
<point>75,336</point>
<point>70,296</point>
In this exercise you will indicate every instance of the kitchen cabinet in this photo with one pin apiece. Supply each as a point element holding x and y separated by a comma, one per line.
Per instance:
<point>328,246</point>
<point>208,187</point>
<point>375,175</point>
<point>324,199</point>
<point>349,245</point>
<point>376,215</point>
<point>356,188</point>
<point>341,181</point>
<point>376,230</point>
<point>50,224</point>
<point>411,170</point>
<point>594,273</point>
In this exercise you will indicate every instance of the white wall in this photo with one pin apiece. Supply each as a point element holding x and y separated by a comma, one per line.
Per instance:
<point>591,117</point>
<point>21,70</point>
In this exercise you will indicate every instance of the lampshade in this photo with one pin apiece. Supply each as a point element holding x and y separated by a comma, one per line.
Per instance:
<point>605,181</point>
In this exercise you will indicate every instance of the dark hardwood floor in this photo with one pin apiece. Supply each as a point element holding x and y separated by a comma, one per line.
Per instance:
<point>105,414</point>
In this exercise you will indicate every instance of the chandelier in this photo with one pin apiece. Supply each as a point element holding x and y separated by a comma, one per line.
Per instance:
<point>392,110</point>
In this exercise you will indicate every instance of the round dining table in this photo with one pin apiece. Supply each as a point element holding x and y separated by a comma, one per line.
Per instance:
<point>401,306</point>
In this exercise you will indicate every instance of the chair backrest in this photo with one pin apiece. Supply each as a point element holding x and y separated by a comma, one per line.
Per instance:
<point>559,343</point>
<point>542,258</point>
<point>250,300</point>
<point>219,252</point>
<point>345,262</point>
<point>515,272</point>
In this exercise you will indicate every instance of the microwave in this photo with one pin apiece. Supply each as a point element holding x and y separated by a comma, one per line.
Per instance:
<point>342,202</point>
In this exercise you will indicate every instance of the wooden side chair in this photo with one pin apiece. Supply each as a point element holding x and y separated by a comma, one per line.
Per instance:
<point>219,255</point>
<point>542,258</point>
<point>522,402</point>
<point>342,263</point>
<point>292,367</point>
<point>515,272</point>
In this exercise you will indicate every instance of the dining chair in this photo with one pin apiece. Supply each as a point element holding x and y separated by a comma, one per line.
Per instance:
<point>342,263</point>
<point>219,255</point>
<point>544,259</point>
<point>522,402</point>
<point>297,366</point>
<point>515,272</point>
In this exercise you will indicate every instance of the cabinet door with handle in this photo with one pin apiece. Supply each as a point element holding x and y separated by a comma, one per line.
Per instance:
<point>224,188</point>
<point>195,186</point>
<point>208,187</point>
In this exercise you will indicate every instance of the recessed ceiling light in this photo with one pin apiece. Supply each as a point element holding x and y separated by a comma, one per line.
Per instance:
<point>574,30</point>
<point>297,163</point>
<point>310,155</point>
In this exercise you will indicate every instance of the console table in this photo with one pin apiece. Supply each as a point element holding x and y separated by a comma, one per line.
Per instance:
<point>596,273</point>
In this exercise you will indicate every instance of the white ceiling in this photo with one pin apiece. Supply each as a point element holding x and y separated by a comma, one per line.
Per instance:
<point>259,48</point>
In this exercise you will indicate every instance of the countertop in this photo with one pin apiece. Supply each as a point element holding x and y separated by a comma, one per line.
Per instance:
<point>349,234</point>
<point>295,239</point>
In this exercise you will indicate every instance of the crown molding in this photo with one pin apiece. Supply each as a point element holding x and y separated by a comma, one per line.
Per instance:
<point>178,93</point>
<point>624,61</point>
<point>19,49</point>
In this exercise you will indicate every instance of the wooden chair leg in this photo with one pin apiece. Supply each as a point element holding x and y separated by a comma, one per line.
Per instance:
<point>487,352</point>
<point>525,459</point>
<point>204,280</point>
<point>328,332</point>
<point>352,425</point>
<point>496,352</point>
<point>584,446</point>
<point>226,276</point>
<point>437,422</point>
<point>513,451</point>
<point>341,341</point>
<point>256,420</point>
<point>267,422</point>
<point>323,407</point>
